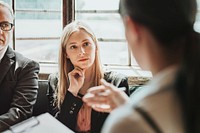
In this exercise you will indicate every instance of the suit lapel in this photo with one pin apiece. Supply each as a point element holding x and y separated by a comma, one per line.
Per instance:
<point>6,63</point>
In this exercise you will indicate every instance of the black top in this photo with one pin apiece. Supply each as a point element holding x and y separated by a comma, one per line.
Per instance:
<point>71,104</point>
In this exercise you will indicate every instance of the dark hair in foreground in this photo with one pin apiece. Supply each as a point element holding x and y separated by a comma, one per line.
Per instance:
<point>171,23</point>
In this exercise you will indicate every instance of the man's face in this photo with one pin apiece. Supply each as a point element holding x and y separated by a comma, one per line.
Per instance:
<point>5,36</point>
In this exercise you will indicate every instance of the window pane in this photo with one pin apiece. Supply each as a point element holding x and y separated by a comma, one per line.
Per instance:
<point>38,4</point>
<point>97,4</point>
<point>104,25</point>
<point>7,1</point>
<point>114,53</point>
<point>38,28</point>
<point>42,50</point>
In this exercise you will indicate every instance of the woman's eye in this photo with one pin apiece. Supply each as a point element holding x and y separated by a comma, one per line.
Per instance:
<point>72,47</point>
<point>86,44</point>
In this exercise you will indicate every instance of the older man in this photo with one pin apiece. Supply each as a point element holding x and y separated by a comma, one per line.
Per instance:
<point>18,76</point>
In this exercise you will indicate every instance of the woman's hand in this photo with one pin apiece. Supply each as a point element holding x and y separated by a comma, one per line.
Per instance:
<point>106,97</point>
<point>76,78</point>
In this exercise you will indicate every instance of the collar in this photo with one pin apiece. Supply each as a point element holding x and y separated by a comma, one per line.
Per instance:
<point>2,52</point>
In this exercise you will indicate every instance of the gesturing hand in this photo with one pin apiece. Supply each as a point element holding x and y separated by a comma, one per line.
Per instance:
<point>106,97</point>
<point>76,78</point>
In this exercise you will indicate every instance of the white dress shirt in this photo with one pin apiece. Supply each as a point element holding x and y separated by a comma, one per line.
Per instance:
<point>2,52</point>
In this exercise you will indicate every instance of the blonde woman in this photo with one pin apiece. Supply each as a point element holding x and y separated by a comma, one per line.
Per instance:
<point>79,69</point>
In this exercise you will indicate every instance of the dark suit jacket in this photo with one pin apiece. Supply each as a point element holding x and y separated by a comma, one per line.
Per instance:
<point>18,88</point>
<point>71,104</point>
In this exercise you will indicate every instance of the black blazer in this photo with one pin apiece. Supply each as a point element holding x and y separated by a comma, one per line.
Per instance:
<point>18,88</point>
<point>71,104</point>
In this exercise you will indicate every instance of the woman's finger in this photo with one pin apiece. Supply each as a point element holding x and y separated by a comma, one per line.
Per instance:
<point>95,99</point>
<point>96,89</point>
<point>100,109</point>
<point>80,69</point>
<point>107,85</point>
<point>76,72</point>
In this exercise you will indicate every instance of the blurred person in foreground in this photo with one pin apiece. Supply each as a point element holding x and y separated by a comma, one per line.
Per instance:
<point>18,76</point>
<point>161,37</point>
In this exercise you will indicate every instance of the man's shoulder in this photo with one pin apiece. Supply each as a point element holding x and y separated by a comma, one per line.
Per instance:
<point>21,57</point>
<point>22,60</point>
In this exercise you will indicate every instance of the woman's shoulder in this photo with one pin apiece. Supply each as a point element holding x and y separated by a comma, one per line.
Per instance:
<point>129,121</point>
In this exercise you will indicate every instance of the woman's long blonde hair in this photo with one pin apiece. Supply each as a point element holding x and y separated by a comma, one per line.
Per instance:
<point>65,65</point>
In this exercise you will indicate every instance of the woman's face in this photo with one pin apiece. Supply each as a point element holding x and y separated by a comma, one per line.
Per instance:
<point>81,49</point>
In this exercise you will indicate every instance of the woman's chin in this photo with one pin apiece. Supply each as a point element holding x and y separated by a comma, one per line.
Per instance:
<point>84,66</point>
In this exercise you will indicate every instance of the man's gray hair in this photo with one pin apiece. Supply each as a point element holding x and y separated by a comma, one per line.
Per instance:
<point>4,4</point>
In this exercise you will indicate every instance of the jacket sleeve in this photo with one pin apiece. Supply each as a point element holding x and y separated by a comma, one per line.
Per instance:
<point>24,95</point>
<point>69,110</point>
